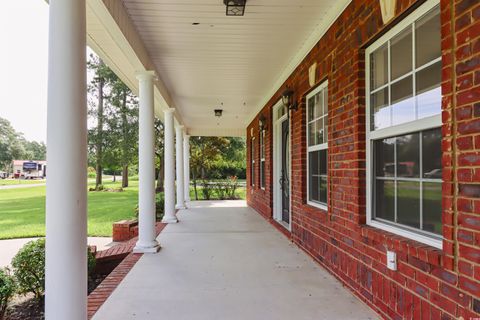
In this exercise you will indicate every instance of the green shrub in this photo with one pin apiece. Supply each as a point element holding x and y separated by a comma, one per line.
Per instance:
<point>7,289</point>
<point>91,261</point>
<point>29,268</point>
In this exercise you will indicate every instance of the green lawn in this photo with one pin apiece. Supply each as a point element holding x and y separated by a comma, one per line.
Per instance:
<point>22,212</point>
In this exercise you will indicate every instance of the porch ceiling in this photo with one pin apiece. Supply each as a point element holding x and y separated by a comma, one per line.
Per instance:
<point>237,61</point>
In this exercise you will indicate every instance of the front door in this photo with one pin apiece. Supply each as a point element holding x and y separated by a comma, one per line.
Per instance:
<point>285,171</point>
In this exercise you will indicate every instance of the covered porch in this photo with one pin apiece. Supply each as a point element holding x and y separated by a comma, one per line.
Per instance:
<point>224,261</point>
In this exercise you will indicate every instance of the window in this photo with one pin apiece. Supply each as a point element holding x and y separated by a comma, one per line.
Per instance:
<point>317,145</point>
<point>262,158</point>
<point>252,162</point>
<point>404,169</point>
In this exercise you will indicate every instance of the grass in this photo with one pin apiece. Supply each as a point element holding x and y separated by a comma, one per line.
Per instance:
<point>22,210</point>
<point>10,182</point>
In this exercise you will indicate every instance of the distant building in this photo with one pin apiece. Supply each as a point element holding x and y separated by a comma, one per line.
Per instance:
<point>29,169</point>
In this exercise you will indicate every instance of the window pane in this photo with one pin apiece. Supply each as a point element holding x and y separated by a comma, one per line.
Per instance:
<point>314,162</point>
<point>380,109</point>
<point>432,154</point>
<point>319,105</point>
<point>403,104</point>
<point>325,100</point>
<point>401,54</point>
<point>322,159</point>
<point>314,188</point>
<point>384,200</point>
<point>428,92</point>
<point>427,38</point>
<point>384,157</point>
<point>320,133</point>
<point>379,67</point>
<point>408,156</point>
<point>408,203</point>
<point>325,129</point>
<point>311,134</point>
<point>311,109</point>
<point>262,173</point>
<point>432,207</point>
<point>323,190</point>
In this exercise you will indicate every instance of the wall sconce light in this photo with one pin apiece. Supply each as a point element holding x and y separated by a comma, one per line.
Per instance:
<point>218,112</point>
<point>262,123</point>
<point>287,99</point>
<point>235,7</point>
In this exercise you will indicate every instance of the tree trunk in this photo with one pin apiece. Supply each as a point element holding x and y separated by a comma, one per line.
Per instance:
<point>125,176</point>
<point>101,84</point>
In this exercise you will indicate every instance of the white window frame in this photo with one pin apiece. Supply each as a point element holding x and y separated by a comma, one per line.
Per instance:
<point>262,160</point>
<point>252,162</point>
<point>423,124</point>
<point>323,146</point>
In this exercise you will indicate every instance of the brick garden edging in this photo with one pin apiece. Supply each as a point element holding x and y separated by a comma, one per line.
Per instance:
<point>97,298</point>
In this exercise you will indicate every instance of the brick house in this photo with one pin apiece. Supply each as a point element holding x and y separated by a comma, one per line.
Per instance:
<point>377,152</point>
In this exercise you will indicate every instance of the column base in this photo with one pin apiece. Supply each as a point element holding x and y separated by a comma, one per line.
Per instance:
<point>169,219</point>
<point>180,206</point>
<point>154,247</point>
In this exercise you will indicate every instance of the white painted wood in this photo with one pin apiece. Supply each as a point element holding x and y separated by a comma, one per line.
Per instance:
<point>146,166</point>
<point>186,166</point>
<point>180,168</point>
<point>66,202</point>
<point>169,158</point>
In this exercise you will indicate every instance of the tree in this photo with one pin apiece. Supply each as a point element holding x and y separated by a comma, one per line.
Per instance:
<point>13,145</point>
<point>159,152</point>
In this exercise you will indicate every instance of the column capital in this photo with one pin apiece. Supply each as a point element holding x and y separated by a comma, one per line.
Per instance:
<point>180,127</point>
<point>146,75</point>
<point>169,110</point>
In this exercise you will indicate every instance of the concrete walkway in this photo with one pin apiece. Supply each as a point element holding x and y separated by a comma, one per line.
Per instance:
<point>223,261</point>
<point>10,247</point>
<point>20,186</point>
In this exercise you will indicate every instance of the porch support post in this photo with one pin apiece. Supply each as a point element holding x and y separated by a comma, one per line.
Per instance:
<point>186,166</point>
<point>146,166</point>
<point>66,202</point>
<point>169,216</point>
<point>180,168</point>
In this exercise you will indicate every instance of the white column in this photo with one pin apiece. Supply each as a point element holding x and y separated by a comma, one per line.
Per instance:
<point>179,167</point>
<point>66,202</point>
<point>186,166</point>
<point>146,166</point>
<point>169,158</point>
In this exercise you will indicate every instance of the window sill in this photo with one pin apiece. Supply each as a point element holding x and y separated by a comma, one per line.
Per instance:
<point>407,234</point>
<point>317,205</point>
<point>413,252</point>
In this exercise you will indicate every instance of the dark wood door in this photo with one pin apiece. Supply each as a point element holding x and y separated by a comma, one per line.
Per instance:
<point>285,178</point>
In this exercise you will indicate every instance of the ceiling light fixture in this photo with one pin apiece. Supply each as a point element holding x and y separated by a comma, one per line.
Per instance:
<point>235,8</point>
<point>218,112</point>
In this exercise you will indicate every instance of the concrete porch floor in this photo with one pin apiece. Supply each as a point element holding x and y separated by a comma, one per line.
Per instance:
<point>224,261</point>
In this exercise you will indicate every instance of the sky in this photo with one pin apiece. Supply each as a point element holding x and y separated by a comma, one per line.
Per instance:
<point>23,66</point>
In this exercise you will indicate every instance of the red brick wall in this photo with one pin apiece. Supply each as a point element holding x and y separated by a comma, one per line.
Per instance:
<point>430,283</point>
